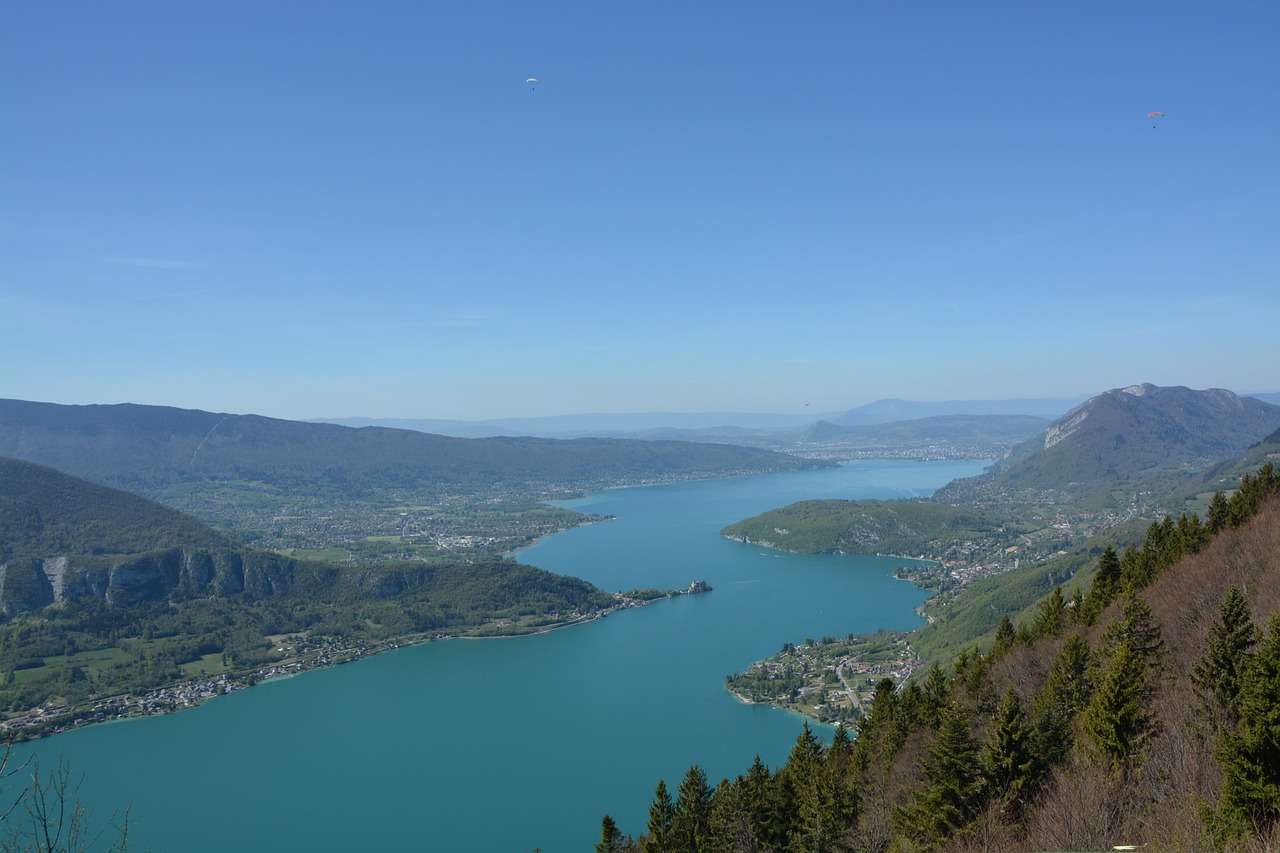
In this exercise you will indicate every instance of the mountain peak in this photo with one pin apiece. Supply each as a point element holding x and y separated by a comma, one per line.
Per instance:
<point>1137,431</point>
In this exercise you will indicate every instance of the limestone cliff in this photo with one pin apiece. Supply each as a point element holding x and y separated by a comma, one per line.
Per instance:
<point>29,584</point>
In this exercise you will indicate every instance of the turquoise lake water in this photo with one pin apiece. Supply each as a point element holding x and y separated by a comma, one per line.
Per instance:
<point>508,745</point>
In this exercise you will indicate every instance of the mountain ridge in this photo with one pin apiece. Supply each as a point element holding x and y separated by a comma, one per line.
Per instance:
<point>146,447</point>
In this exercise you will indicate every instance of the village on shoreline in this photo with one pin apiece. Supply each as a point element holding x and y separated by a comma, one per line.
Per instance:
<point>299,653</point>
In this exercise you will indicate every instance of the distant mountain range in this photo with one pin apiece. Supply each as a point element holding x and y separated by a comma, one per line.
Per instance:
<point>584,425</point>
<point>921,431</point>
<point>718,426</point>
<point>145,448</point>
<point>888,411</point>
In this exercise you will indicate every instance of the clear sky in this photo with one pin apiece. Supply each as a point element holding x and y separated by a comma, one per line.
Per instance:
<point>327,209</point>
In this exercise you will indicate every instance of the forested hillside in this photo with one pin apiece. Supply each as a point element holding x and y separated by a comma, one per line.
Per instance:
<point>1142,438</point>
<point>146,448</point>
<point>46,513</point>
<point>106,595</point>
<point>1145,712</point>
<point>869,527</point>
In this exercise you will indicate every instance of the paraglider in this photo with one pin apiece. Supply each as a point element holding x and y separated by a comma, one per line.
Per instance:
<point>1154,114</point>
<point>532,81</point>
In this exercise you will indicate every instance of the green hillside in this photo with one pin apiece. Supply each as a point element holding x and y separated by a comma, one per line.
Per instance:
<point>866,527</point>
<point>146,448</point>
<point>45,513</point>
<point>104,593</point>
<point>1141,438</point>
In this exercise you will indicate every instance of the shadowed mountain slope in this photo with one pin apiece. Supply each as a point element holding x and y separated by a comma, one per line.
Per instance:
<point>148,447</point>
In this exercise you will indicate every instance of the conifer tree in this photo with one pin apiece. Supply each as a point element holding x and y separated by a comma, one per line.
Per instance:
<point>611,838</point>
<point>1137,624</point>
<point>661,812</point>
<point>826,808</point>
<point>1132,569</point>
<point>1219,673</point>
<point>731,828</point>
<point>933,696</point>
<point>1192,533</point>
<point>1065,693</point>
<point>690,824</point>
<point>1051,616</point>
<point>1005,637</point>
<point>1250,755</point>
<point>1106,585</point>
<point>1219,513</point>
<point>975,681</point>
<point>758,789</point>
<point>1075,607</point>
<point>1117,720</point>
<point>952,792</point>
<point>1008,764</point>
<point>881,730</point>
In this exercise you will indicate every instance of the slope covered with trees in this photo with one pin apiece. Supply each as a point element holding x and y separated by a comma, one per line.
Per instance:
<point>104,593</point>
<point>1138,438</point>
<point>1143,712</point>
<point>867,527</point>
<point>146,448</point>
<point>44,512</point>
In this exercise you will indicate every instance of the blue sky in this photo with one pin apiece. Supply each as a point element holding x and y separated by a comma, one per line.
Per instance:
<point>327,209</point>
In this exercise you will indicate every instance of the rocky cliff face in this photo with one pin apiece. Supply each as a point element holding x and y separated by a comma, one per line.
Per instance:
<point>124,581</point>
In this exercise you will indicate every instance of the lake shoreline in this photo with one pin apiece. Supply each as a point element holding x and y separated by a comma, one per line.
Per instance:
<point>184,695</point>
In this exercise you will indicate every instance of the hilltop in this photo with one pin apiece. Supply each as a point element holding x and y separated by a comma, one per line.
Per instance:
<point>45,512</point>
<point>1127,440</point>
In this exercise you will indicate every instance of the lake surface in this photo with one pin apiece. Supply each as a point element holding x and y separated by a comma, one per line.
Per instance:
<point>508,745</point>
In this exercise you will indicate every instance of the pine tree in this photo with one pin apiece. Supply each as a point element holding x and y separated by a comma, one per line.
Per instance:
<point>1106,585</point>
<point>661,812</point>
<point>881,730</point>
<point>1132,570</point>
<point>793,784</point>
<point>1065,693</point>
<point>1219,513</point>
<point>951,795</point>
<point>1138,625</point>
<point>758,790</point>
<point>1051,617</point>
<point>975,681</point>
<point>826,802</point>
<point>730,825</point>
<point>1219,673</point>
<point>1005,637</point>
<point>611,838</point>
<point>1117,720</point>
<point>1250,755</point>
<point>1008,764</point>
<point>690,824</point>
<point>1192,533</point>
<point>933,696</point>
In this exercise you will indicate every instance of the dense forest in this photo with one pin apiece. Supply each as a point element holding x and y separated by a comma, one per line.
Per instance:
<point>1145,711</point>
<point>44,512</point>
